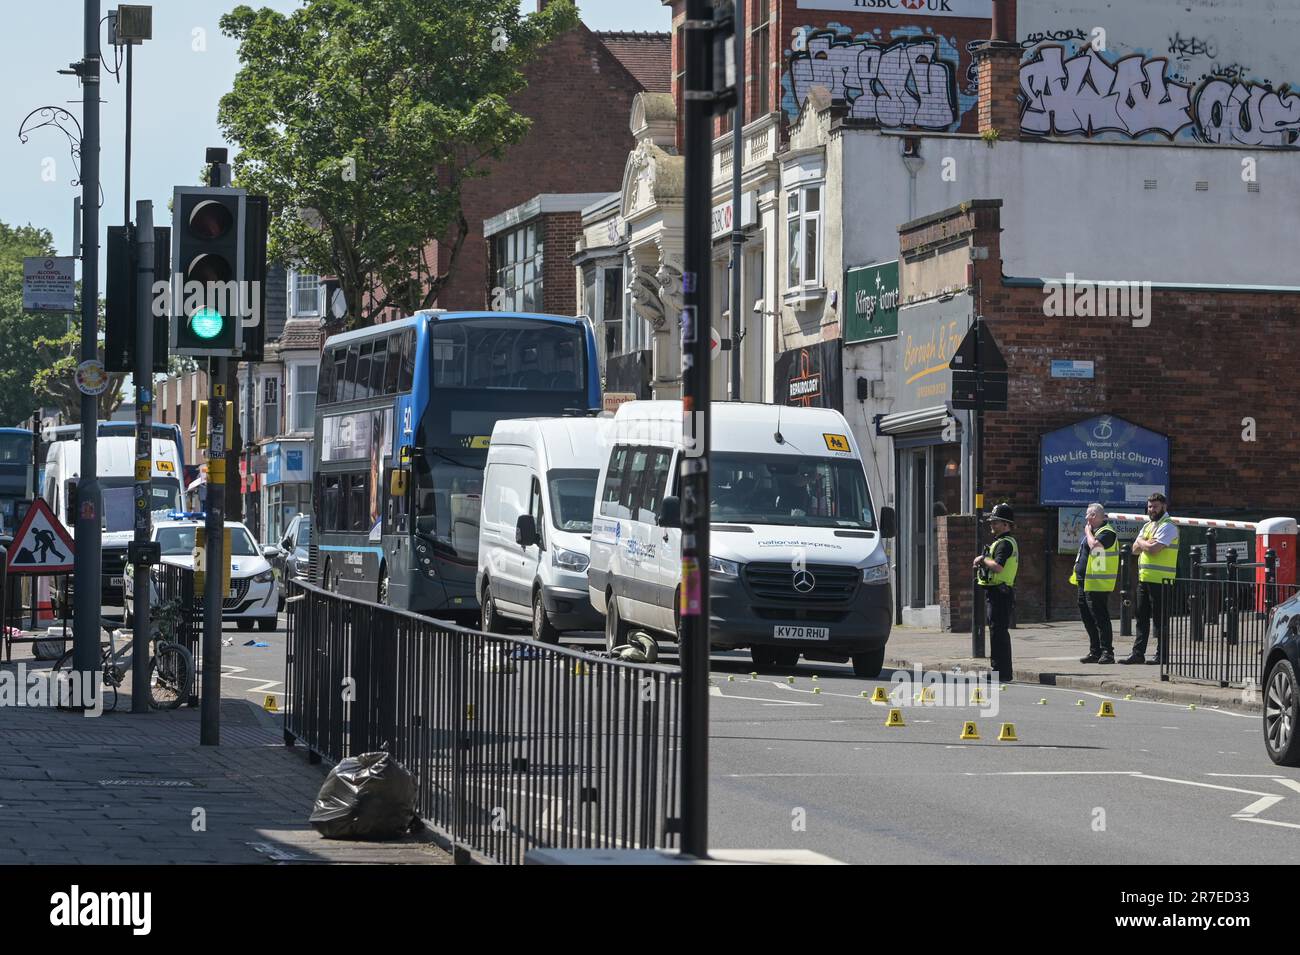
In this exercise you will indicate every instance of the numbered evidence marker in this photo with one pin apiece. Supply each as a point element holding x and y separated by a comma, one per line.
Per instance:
<point>1107,708</point>
<point>895,717</point>
<point>969,730</point>
<point>271,704</point>
<point>42,544</point>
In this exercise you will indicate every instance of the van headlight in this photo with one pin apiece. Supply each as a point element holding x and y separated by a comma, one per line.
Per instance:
<point>876,574</point>
<point>265,577</point>
<point>569,560</point>
<point>723,568</point>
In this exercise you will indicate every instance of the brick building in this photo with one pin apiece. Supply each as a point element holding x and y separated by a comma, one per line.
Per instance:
<point>580,89</point>
<point>1201,360</point>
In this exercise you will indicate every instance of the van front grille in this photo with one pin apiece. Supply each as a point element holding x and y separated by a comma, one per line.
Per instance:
<point>819,584</point>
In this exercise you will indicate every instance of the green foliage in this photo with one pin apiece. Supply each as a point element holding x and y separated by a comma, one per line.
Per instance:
<point>361,121</point>
<point>19,362</point>
<point>55,382</point>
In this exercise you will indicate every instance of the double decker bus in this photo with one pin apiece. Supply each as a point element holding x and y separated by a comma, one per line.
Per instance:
<point>404,414</point>
<point>15,475</point>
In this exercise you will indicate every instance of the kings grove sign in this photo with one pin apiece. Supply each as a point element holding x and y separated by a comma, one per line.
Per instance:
<point>871,299</point>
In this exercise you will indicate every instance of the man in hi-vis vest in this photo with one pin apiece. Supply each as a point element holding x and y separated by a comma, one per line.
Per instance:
<point>1096,568</point>
<point>995,571</point>
<point>1157,550</point>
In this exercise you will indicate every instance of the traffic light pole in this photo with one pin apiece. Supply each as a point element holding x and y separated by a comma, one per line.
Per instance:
<point>977,603</point>
<point>694,600</point>
<point>143,374</point>
<point>215,556</point>
<point>86,562</point>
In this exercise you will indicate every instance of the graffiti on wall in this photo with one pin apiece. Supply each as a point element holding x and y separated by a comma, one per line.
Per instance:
<point>909,81</point>
<point>1135,95</point>
<point>1247,114</point>
<point>1085,94</point>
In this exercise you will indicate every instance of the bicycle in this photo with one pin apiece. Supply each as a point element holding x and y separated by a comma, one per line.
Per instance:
<point>171,667</point>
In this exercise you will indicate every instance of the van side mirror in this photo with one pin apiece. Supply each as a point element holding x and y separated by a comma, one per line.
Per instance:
<point>670,515</point>
<point>888,527</point>
<point>526,531</point>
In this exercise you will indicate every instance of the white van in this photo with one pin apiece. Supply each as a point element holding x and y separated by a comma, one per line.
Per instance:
<point>797,563</point>
<point>539,490</point>
<point>115,467</point>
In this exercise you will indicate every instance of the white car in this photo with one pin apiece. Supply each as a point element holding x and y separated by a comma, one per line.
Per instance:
<point>253,595</point>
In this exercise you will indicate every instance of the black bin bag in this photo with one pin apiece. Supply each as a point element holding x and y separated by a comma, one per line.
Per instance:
<point>370,796</point>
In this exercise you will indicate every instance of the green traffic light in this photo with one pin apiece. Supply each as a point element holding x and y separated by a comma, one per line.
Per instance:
<point>207,323</point>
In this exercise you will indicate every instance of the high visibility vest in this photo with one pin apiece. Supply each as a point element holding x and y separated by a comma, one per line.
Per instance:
<point>1158,568</point>
<point>1103,566</point>
<point>1007,575</point>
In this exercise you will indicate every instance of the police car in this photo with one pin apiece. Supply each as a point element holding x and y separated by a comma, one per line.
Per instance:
<point>252,598</point>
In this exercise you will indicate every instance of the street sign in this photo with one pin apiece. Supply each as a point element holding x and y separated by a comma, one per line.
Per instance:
<point>990,373</point>
<point>42,544</point>
<point>49,284</point>
<point>965,391</point>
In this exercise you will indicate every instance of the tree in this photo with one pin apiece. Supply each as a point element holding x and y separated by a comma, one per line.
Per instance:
<point>362,119</point>
<point>56,382</point>
<point>19,362</point>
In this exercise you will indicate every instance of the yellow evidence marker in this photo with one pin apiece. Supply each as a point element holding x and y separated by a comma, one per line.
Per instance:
<point>969,730</point>
<point>895,718</point>
<point>1107,708</point>
<point>1008,733</point>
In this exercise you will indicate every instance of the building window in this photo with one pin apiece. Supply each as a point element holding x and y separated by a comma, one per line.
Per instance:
<point>611,310</point>
<point>306,294</point>
<point>760,38</point>
<point>302,398</point>
<point>519,269</point>
<point>804,237</point>
<point>270,419</point>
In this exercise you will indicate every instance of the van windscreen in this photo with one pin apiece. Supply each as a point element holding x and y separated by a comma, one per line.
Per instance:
<point>573,497</point>
<point>783,489</point>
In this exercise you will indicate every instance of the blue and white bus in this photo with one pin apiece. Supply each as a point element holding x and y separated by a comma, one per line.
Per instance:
<point>15,475</point>
<point>404,414</point>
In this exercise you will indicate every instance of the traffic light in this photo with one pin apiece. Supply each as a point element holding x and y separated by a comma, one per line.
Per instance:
<point>210,294</point>
<point>724,56</point>
<point>201,421</point>
<point>121,310</point>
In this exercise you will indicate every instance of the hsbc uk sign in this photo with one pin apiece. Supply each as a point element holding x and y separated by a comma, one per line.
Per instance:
<point>976,9</point>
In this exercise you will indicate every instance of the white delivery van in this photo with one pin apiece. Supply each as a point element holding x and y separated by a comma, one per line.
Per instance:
<point>539,489</point>
<point>115,467</point>
<point>797,562</point>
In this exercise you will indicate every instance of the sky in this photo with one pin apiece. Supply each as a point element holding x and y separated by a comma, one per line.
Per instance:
<point>179,77</point>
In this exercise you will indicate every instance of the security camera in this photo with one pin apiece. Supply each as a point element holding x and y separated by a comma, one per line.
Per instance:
<point>758,306</point>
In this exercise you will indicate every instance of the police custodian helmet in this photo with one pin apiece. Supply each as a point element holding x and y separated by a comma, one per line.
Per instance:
<point>1002,512</point>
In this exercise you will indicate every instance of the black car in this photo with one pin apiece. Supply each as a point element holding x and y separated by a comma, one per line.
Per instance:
<point>291,562</point>
<point>1281,690</point>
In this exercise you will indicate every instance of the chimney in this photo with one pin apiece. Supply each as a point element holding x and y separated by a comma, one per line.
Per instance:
<point>997,61</point>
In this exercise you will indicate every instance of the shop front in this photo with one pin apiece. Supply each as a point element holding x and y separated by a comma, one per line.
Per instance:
<point>287,489</point>
<point>930,447</point>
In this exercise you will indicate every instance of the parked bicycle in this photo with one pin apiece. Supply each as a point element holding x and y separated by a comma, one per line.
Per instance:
<point>171,665</point>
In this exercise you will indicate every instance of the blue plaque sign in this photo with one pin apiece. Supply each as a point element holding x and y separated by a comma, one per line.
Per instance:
<point>1104,459</point>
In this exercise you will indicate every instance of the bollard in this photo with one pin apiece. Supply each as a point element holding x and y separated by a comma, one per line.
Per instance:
<point>1270,582</point>
<point>1230,624</point>
<point>1125,591</point>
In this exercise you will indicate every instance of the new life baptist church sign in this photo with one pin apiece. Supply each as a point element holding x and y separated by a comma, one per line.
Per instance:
<point>1104,459</point>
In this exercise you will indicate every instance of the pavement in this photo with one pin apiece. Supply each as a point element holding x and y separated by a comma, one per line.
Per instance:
<point>139,789</point>
<point>1048,654</point>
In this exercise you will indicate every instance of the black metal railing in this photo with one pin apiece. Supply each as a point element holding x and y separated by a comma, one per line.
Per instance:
<point>175,587</point>
<point>1215,622</point>
<point>514,744</point>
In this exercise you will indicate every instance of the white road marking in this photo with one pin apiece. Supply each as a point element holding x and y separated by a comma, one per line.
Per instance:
<point>1269,822</point>
<point>1258,806</point>
<point>766,701</point>
<point>263,685</point>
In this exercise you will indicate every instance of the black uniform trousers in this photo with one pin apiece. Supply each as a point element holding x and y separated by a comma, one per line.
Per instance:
<point>1094,610</point>
<point>997,612</point>
<point>1150,611</point>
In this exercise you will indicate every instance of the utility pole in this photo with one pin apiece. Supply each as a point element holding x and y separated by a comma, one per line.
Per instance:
<point>87,561</point>
<point>707,94</point>
<point>143,497</point>
<point>737,233</point>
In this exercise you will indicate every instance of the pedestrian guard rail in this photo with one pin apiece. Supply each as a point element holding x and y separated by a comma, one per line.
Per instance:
<point>1215,622</point>
<point>514,744</point>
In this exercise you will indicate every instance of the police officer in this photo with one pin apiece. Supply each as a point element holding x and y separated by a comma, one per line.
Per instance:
<point>1157,550</point>
<point>1096,568</point>
<point>996,573</point>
